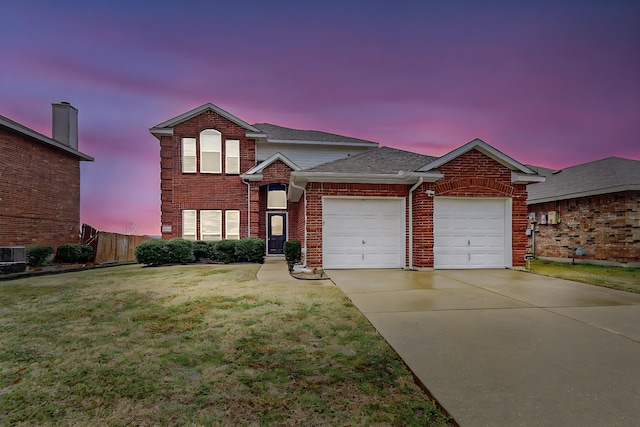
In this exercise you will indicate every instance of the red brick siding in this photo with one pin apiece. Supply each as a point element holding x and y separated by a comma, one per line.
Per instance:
<point>39,193</point>
<point>477,175</point>
<point>180,191</point>
<point>607,226</point>
<point>315,192</point>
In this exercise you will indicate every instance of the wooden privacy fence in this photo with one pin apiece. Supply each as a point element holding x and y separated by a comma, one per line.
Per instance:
<point>111,247</point>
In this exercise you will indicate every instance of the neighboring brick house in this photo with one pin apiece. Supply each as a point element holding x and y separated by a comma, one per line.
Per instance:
<point>40,181</point>
<point>351,203</point>
<point>589,212</point>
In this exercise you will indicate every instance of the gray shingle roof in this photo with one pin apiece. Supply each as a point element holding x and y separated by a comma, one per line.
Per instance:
<point>608,175</point>
<point>381,160</point>
<point>280,133</point>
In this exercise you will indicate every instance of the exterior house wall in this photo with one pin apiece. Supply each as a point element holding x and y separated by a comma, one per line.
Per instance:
<point>475,174</point>
<point>180,191</point>
<point>39,193</point>
<point>607,226</point>
<point>472,174</point>
<point>317,190</point>
<point>275,173</point>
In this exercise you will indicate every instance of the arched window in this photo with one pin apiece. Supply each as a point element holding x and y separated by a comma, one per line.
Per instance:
<point>210,151</point>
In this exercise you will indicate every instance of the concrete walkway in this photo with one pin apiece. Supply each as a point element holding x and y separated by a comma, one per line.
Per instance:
<point>508,348</point>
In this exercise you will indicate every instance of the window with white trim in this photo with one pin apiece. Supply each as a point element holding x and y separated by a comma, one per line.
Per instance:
<point>210,151</point>
<point>189,226</point>
<point>188,155</point>
<point>276,196</point>
<point>210,225</point>
<point>232,224</point>
<point>232,156</point>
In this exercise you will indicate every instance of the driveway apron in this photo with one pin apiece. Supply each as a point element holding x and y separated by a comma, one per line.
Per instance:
<point>509,348</point>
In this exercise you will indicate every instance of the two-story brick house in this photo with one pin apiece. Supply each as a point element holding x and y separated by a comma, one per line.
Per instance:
<point>351,203</point>
<point>40,181</point>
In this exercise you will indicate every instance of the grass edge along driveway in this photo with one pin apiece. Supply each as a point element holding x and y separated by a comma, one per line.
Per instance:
<point>196,345</point>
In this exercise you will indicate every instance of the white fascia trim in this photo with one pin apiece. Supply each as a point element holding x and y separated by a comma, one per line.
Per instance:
<point>484,148</point>
<point>360,178</point>
<point>256,177</point>
<point>518,178</point>
<point>201,109</point>
<point>42,138</point>
<point>277,156</point>
<point>338,143</point>
<point>255,135</point>
<point>160,132</point>
<point>599,192</point>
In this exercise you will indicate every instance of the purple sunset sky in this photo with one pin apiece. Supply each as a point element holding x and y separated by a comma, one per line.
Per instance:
<point>550,83</point>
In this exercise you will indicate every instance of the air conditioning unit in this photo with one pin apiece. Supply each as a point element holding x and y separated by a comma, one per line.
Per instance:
<point>13,254</point>
<point>13,259</point>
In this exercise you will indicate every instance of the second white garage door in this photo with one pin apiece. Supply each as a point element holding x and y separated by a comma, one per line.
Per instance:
<point>471,232</point>
<point>363,233</point>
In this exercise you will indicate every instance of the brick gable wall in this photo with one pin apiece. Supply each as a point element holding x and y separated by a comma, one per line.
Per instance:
<point>475,174</point>
<point>180,191</point>
<point>607,226</point>
<point>39,193</point>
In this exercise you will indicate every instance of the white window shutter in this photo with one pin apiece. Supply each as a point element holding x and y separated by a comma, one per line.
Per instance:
<point>188,155</point>
<point>210,151</point>
<point>232,222</point>
<point>232,152</point>
<point>189,224</point>
<point>211,225</point>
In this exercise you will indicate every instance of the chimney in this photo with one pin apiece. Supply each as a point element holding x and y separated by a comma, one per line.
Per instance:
<point>65,124</point>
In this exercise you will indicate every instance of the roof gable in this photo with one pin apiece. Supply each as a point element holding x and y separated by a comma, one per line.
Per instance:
<point>255,173</point>
<point>484,148</point>
<point>32,134</point>
<point>168,125</point>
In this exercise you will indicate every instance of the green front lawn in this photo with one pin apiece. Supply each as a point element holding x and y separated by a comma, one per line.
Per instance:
<point>195,345</point>
<point>621,278</point>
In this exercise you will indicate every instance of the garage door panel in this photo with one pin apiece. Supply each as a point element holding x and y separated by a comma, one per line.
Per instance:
<point>470,233</point>
<point>379,223</point>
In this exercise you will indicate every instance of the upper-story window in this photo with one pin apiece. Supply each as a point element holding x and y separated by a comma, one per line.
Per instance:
<point>232,156</point>
<point>276,196</point>
<point>210,151</point>
<point>188,155</point>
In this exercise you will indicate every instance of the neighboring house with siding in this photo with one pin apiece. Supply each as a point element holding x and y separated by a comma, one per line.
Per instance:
<point>588,212</point>
<point>351,203</point>
<point>40,181</point>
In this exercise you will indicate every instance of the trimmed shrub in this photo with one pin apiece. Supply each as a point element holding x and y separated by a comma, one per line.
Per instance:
<point>251,250</point>
<point>71,253</point>
<point>225,251</point>
<point>152,252</point>
<point>180,251</point>
<point>202,250</point>
<point>292,253</point>
<point>86,253</point>
<point>38,256</point>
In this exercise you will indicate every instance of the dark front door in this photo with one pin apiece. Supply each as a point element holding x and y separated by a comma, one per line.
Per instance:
<point>277,232</point>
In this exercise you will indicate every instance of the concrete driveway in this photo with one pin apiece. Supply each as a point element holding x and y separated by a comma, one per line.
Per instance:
<point>509,348</point>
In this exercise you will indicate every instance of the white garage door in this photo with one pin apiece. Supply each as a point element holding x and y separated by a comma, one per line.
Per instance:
<point>363,233</point>
<point>472,233</point>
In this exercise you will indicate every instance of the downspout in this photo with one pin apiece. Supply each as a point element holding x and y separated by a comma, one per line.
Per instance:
<point>418,184</point>
<point>304,194</point>
<point>248,207</point>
